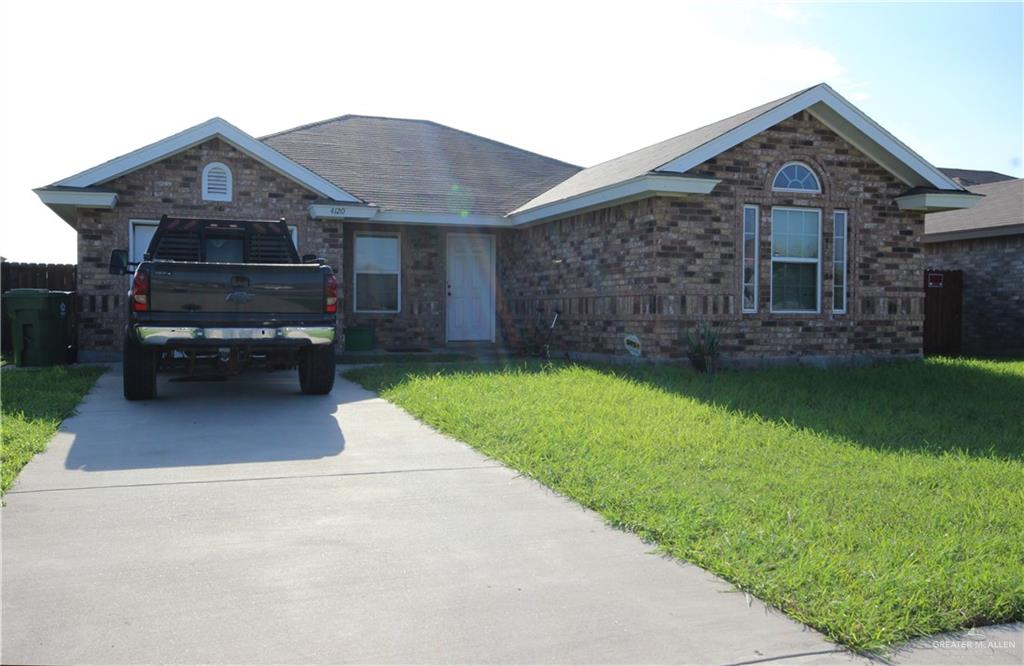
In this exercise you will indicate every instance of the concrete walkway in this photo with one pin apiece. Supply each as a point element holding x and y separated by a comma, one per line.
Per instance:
<point>243,522</point>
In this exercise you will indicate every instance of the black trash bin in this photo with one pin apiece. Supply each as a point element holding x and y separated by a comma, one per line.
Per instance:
<point>41,326</point>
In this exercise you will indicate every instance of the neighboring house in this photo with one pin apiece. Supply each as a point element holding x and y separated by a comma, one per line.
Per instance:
<point>986,242</point>
<point>971,177</point>
<point>793,228</point>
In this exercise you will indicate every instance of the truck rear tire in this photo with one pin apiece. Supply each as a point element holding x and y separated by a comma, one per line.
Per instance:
<point>317,370</point>
<point>139,369</point>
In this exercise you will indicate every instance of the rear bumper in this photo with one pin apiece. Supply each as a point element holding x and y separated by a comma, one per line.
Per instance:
<point>221,336</point>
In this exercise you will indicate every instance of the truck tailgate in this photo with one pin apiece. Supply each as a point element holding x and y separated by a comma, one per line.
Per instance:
<point>178,286</point>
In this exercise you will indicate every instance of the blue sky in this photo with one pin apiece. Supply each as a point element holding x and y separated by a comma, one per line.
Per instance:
<point>580,80</point>
<point>901,52</point>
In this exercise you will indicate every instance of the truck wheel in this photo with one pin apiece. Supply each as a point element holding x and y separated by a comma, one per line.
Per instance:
<point>139,368</point>
<point>316,370</point>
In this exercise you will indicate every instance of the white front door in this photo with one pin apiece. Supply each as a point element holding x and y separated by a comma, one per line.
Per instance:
<point>470,287</point>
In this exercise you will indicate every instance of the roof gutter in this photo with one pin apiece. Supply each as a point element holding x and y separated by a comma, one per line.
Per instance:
<point>934,202</point>
<point>971,234</point>
<point>81,199</point>
<point>641,187</point>
<point>67,203</point>
<point>344,211</point>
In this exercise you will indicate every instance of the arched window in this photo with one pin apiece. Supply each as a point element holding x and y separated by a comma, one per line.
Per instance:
<point>796,177</point>
<point>216,182</point>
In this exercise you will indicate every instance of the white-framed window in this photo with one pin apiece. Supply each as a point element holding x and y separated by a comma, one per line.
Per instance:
<point>140,233</point>
<point>840,248</point>
<point>216,182</point>
<point>295,237</point>
<point>749,255</point>
<point>796,260</point>
<point>377,273</point>
<point>796,177</point>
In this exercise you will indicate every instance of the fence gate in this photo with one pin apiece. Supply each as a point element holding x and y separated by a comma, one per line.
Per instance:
<point>943,312</point>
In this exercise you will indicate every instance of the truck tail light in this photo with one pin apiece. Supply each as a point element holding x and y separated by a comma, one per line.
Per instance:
<point>330,293</point>
<point>140,291</point>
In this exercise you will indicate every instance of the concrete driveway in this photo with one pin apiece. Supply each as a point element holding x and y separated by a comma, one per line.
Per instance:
<point>243,522</point>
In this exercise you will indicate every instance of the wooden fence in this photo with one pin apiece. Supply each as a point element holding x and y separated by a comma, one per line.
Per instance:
<point>16,275</point>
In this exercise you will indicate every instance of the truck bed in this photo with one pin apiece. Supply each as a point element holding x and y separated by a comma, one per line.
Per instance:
<point>219,295</point>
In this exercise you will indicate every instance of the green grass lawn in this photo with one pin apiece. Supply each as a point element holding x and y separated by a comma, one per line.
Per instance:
<point>33,403</point>
<point>875,504</point>
<point>353,358</point>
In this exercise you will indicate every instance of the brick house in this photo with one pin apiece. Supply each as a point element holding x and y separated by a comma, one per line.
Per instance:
<point>793,228</point>
<point>986,243</point>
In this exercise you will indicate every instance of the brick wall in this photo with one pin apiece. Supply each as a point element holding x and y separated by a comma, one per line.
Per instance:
<point>652,268</point>
<point>655,267</point>
<point>172,186</point>
<point>993,302</point>
<point>421,322</point>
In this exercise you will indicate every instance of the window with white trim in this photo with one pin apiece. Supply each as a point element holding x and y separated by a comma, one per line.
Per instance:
<point>840,245</point>
<point>294,230</point>
<point>796,260</point>
<point>216,182</point>
<point>376,273</point>
<point>796,177</point>
<point>750,217</point>
<point>140,233</point>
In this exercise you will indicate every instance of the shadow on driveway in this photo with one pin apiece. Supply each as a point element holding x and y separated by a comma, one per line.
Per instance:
<point>253,418</point>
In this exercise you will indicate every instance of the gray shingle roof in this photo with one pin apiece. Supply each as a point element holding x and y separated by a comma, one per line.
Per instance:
<point>970,177</point>
<point>1000,212</point>
<point>646,160</point>
<point>420,166</point>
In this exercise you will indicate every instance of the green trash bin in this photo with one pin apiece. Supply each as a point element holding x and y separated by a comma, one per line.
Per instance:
<point>41,325</point>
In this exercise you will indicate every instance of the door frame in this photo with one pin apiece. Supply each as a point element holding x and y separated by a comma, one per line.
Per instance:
<point>492,320</point>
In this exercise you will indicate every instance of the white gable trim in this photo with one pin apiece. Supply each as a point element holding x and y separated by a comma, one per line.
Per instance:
<point>934,202</point>
<point>104,200</point>
<point>215,127</point>
<point>844,119</point>
<point>636,188</point>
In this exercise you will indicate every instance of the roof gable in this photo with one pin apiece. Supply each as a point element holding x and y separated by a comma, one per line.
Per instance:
<point>680,154</point>
<point>418,166</point>
<point>416,171</point>
<point>213,128</point>
<point>642,161</point>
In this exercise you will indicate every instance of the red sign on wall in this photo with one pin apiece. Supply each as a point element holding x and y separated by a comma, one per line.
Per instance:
<point>935,280</point>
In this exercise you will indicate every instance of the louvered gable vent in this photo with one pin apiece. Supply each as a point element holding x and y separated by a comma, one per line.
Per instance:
<point>216,182</point>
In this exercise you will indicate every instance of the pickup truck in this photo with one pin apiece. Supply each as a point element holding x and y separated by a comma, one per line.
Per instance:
<point>215,296</point>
